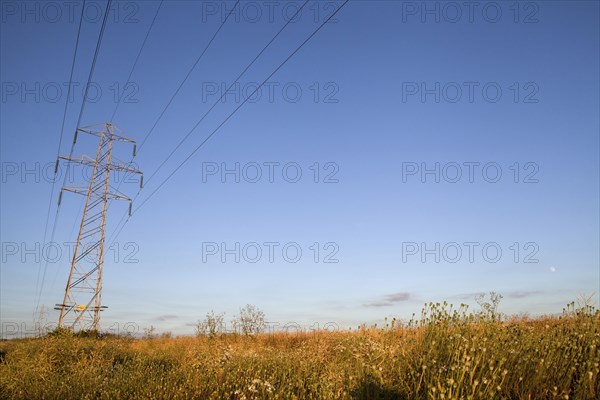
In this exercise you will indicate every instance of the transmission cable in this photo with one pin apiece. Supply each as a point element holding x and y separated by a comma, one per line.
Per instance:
<point>232,113</point>
<point>90,76</point>
<point>147,135</point>
<point>214,105</point>
<point>180,85</point>
<point>62,131</point>
<point>187,75</point>
<point>136,60</point>
<point>120,97</point>
<point>225,92</point>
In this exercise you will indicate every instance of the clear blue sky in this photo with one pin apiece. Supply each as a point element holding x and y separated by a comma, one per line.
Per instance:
<point>379,103</point>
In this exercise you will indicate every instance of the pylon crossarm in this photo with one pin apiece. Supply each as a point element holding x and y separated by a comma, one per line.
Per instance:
<point>79,158</point>
<point>113,195</point>
<point>120,137</point>
<point>64,306</point>
<point>123,167</point>
<point>115,165</point>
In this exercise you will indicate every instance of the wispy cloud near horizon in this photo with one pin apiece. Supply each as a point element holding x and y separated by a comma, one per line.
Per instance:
<point>166,317</point>
<point>390,300</point>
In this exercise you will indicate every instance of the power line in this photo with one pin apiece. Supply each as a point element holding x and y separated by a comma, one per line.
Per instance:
<point>232,113</point>
<point>226,91</point>
<point>184,79</point>
<point>136,60</point>
<point>188,75</point>
<point>213,106</point>
<point>62,130</point>
<point>175,95</point>
<point>238,107</point>
<point>115,111</point>
<point>89,81</point>
<point>90,76</point>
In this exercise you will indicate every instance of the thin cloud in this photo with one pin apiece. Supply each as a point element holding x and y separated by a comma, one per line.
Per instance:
<point>467,296</point>
<point>390,300</point>
<point>166,317</point>
<point>522,294</point>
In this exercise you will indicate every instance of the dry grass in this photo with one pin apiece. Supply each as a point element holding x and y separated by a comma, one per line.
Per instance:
<point>447,354</point>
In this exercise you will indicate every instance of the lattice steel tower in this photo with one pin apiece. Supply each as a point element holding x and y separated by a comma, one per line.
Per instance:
<point>82,304</point>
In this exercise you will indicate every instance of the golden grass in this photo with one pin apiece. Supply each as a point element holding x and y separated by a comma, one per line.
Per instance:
<point>445,355</point>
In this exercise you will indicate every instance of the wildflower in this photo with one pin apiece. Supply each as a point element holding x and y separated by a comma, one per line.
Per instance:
<point>269,387</point>
<point>239,395</point>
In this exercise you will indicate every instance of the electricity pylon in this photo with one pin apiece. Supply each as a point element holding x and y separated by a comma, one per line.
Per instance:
<point>82,304</point>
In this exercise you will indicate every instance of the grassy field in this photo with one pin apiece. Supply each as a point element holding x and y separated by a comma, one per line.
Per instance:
<point>445,354</point>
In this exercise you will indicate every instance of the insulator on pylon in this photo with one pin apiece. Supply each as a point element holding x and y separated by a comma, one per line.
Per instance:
<point>142,182</point>
<point>134,149</point>
<point>75,137</point>
<point>56,167</point>
<point>130,204</point>
<point>60,197</point>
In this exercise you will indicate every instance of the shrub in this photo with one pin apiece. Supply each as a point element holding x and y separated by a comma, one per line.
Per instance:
<point>211,326</point>
<point>250,321</point>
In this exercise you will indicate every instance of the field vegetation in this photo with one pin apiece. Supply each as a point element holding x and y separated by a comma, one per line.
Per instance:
<point>446,353</point>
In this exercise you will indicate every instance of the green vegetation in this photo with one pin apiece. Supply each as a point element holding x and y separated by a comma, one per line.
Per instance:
<point>445,354</point>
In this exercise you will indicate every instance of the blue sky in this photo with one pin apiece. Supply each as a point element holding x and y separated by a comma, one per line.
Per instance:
<point>385,93</point>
